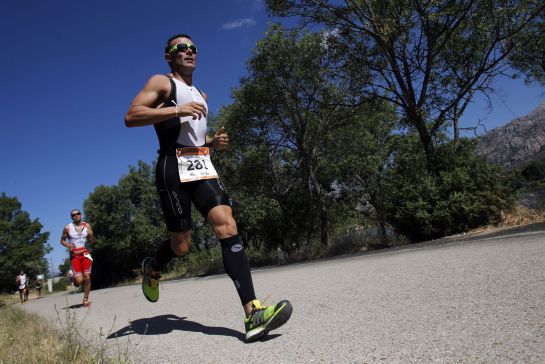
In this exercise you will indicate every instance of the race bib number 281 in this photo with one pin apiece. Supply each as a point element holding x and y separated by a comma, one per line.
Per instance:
<point>194,164</point>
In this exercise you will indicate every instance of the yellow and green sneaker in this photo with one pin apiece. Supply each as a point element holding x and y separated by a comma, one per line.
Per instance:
<point>150,281</point>
<point>266,318</point>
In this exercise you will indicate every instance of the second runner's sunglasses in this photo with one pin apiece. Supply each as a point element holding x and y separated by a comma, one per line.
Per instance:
<point>183,47</point>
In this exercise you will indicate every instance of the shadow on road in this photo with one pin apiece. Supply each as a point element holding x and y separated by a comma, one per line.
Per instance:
<point>77,305</point>
<point>160,325</point>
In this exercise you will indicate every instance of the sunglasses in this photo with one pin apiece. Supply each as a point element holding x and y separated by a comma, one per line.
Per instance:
<point>76,214</point>
<point>183,47</point>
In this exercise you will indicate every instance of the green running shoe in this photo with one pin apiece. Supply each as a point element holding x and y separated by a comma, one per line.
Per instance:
<point>266,318</point>
<point>150,281</point>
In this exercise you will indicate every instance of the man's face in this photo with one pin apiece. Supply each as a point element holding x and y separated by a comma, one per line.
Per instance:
<point>187,59</point>
<point>75,215</point>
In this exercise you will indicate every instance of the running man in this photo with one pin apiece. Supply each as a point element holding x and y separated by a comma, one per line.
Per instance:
<point>185,174</point>
<point>38,285</point>
<point>75,237</point>
<point>22,282</point>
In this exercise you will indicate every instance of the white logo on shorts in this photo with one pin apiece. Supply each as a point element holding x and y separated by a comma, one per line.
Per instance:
<point>236,248</point>
<point>178,205</point>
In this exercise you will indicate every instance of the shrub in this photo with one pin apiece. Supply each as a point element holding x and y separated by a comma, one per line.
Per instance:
<point>462,191</point>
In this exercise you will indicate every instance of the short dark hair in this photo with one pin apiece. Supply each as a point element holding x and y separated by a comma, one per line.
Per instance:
<point>167,47</point>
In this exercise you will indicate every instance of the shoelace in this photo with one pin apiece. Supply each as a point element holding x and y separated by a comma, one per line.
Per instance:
<point>150,276</point>
<point>151,279</point>
<point>257,317</point>
<point>258,306</point>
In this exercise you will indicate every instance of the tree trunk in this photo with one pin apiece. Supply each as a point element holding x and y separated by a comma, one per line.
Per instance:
<point>376,200</point>
<point>456,129</point>
<point>426,140</point>
<point>323,225</point>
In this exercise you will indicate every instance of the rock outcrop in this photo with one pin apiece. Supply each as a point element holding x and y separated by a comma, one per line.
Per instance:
<point>520,141</point>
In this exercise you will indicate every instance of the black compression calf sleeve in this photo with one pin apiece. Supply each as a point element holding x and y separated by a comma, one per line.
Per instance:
<point>163,255</point>
<point>237,267</point>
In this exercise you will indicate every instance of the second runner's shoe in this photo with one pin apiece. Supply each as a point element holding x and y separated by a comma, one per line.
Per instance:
<point>150,281</point>
<point>266,318</point>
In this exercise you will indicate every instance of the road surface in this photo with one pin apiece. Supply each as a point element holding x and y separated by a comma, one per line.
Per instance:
<point>475,300</point>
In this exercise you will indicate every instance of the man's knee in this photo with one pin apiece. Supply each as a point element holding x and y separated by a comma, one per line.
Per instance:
<point>222,221</point>
<point>229,224</point>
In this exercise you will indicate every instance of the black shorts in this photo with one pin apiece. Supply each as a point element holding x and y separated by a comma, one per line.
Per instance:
<point>176,197</point>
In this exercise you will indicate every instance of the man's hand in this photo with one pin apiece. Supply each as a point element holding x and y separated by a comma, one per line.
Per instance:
<point>71,247</point>
<point>194,109</point>
<point>220,140</point>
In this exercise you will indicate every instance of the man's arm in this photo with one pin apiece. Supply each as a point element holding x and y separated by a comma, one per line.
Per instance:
<point>63,239</point>
<point>144,108</point>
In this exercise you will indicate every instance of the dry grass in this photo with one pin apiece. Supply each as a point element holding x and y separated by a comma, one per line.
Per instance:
<point>26,338</point>
<point>517,216</point>
<point>521,215</point>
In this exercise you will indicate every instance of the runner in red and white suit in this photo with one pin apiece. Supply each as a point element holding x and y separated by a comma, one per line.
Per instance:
<point>75,237</point>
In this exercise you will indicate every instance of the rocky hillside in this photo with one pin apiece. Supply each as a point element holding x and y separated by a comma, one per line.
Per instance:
<point>518,142</point>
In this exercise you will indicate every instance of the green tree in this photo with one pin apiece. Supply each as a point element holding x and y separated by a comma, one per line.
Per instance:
<point>23,245</point>
<point>127,223</point>
<point>285,114</point>
<point>429,58</point>
<point>65,267</point>
<point>529,54</point>
<point>365,160</point>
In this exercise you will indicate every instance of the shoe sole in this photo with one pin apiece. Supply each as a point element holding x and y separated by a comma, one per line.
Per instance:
<point>149,300</point>
<point>278,320</point>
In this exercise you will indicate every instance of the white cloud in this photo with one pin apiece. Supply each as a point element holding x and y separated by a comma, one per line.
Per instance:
<point>248,22</point>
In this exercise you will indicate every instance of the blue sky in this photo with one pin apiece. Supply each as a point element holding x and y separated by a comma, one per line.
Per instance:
<point>69,70</point>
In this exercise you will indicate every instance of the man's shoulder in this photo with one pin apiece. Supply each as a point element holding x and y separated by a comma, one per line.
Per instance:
<point>159,79</point>
<point>159,83</point>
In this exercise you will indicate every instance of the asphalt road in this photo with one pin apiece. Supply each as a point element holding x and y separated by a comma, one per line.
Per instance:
<point>478,300</point>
